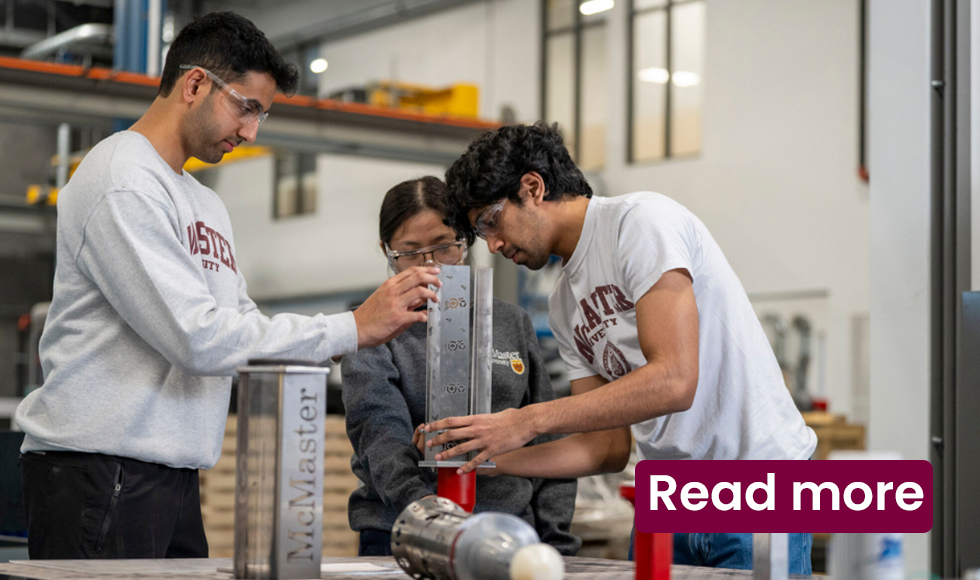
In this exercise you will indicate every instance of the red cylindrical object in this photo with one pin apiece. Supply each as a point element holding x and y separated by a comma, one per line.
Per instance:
<point>460,489</point>
<point>654,553</point>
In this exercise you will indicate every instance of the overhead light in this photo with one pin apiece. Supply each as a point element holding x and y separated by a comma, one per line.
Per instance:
<point>319,65</point>
<point>660,76</point>
<point>686,79</point>
<point>654,74</point>
<point>595,6</point>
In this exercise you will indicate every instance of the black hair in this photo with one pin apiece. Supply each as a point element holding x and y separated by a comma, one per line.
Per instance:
<point>408,198</point>
<point>492,166</point>
<point>229,46</point>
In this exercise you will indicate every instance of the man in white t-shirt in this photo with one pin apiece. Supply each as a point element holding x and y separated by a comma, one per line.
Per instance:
<point>651,320</point>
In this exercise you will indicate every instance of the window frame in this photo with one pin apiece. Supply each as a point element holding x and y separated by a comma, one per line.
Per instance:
<point>633,12</point>
<point>303,160</point>
<point>576,29</point>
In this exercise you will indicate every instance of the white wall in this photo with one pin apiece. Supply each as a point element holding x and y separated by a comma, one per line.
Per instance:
<point>776,181</point>
<point>335,249</point>
<point>280,18</point>
<point>900,230</point>
<point>493,44</point>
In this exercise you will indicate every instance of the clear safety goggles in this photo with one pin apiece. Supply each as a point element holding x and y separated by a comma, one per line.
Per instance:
<point>246,110</point>
<point>488,222</point>
<point>448,254</point>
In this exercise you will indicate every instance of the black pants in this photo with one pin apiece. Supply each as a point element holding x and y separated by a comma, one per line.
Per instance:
<point>374,543</point>
<point>87,505</point>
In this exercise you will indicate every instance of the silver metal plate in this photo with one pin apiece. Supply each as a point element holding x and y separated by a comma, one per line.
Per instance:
<point>448,351</point>
<point>299,542</point>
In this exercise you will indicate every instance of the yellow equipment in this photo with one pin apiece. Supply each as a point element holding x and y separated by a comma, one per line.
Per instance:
<point>461,100</point>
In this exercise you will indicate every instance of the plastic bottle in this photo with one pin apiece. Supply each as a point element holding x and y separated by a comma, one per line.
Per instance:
<point>867,557</point>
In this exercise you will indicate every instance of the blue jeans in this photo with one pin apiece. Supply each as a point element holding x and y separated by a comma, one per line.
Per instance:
<point>733,551</point>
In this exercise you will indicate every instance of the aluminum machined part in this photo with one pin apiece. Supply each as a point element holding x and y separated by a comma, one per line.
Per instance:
<point>770,556</point>
<point>279,471</point>
<point>423,535</point>
<point>482,341</point>
<point>458,353</point>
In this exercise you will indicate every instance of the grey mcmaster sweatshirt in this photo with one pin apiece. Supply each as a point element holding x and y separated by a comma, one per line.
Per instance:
<point>150,316</point>
<point>384,394</point>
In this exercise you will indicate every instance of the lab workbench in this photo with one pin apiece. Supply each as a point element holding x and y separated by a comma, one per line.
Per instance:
<point>219,569</point>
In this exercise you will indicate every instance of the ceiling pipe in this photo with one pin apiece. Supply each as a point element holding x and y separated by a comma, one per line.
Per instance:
<point>83,34</point>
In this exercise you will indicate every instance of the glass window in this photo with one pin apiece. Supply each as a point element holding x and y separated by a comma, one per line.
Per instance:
<point>295,192</point>
<point>649,81</point>
<point>560,85</point>
<point>666,81</point>
<point>594,10</point>
<point>561,14</point>
<point>687,54</point>
<point>592,154</point>
<point>575,81</point>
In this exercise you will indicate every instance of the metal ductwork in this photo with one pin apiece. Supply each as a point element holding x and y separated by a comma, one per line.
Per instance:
<point>86,38</point>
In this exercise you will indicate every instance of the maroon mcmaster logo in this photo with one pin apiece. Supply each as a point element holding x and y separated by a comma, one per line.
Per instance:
<point>847,496</point>
<point>207,242</point>
<point>615,362</point>
<point>599,312</point>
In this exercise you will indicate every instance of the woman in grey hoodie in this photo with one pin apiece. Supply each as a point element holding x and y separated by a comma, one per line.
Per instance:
<point>384,393</point>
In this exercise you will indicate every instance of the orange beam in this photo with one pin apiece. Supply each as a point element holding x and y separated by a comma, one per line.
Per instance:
<point>72,70</point>
<point>375,111</point>
<point>102,74</point>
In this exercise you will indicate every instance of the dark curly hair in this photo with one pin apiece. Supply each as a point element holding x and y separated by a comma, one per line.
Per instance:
<point>492,166</point>
<point>229,46</point>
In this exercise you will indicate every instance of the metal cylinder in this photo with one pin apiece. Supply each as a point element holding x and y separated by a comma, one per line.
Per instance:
<point>279,470</point>
<point>64,155</point>
<point>770,556</point>
<point>423,535</point>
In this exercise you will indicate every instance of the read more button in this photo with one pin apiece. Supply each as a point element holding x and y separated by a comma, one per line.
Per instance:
<point>866,496</point>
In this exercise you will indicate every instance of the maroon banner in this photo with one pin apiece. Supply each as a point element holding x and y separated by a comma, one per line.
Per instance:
<point>853,496</point>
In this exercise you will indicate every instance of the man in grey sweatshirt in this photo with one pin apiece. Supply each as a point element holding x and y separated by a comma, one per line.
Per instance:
<point>150,315</point>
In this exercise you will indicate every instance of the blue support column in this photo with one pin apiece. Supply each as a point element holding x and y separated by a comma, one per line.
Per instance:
<point>130,25</point>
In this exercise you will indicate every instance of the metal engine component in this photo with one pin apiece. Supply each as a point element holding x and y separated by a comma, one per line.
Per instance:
<point>423,534</point>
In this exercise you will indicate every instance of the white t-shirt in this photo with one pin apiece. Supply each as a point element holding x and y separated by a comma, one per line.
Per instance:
<point>742,409</point>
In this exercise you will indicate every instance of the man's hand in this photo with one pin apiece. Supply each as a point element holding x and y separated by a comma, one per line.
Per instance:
<point>491,434</point>
<point>391,308</point>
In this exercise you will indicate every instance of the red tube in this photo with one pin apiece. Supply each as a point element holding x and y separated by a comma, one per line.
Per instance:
<point>460,489</point>
<point>654,553</point>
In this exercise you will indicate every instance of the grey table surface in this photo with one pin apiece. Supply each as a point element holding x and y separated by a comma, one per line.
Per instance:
<point>208,569</point>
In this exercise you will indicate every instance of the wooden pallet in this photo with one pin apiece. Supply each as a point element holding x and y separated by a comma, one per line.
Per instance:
<point>218,493</point>
<point>834,433</point>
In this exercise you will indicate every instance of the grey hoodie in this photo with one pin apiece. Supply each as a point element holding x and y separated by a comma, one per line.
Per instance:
<point>384,393</point>
<point>150,316</point>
